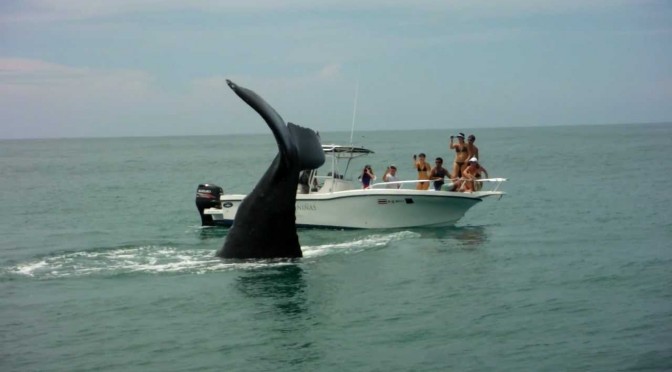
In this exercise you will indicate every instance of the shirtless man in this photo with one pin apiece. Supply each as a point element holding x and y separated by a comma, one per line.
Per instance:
<point>472,172</point>
<point>461,154</point>
<point>472,150</point>
<point>438,174</point>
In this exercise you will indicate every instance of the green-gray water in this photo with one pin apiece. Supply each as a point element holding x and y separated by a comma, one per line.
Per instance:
<point>104,266</point>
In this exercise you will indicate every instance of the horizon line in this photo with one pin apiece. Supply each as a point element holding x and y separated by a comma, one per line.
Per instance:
<point>328,131</point>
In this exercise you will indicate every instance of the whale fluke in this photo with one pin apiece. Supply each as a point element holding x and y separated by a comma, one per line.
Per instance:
<point>265,223</point>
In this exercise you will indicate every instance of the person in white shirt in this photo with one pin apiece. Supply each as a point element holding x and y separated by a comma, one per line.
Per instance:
<point>391,176</point>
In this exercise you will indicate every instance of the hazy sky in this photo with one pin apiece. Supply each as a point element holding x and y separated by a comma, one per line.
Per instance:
<point>81,68</point>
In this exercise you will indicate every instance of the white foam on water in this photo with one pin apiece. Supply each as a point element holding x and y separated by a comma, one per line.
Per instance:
<point>29,268</point>
<point>153,259</point>
<point>144,259</point>
<point>358,245</point>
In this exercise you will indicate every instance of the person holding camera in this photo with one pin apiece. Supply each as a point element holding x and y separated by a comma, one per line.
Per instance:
<point>367,176</point>
<point>423,168</point>
<point>461,154</point>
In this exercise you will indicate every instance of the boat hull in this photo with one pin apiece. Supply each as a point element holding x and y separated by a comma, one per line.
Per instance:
<point>368,209</point>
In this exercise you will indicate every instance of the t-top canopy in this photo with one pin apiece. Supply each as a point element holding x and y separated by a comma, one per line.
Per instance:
<point>338,149</point>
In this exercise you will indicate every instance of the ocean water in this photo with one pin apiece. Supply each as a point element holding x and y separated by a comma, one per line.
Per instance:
<point>103,264</point>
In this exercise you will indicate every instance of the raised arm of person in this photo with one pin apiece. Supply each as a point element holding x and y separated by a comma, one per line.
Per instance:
<point>452,145</point>
<point>369,171</point>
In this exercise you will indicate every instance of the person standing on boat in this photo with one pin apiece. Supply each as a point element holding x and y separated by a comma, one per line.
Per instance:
<point>423,168</point>
<point>304,179</point>
<point>391,176</point>
<point>305,176</point>
<point>438,174</point>
<point>367,176</point>
<point>461,154</point>
<point>470,174</point>
<point>472,150</point>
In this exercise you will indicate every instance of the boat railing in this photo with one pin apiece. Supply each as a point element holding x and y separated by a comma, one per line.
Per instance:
<point>400,184</point>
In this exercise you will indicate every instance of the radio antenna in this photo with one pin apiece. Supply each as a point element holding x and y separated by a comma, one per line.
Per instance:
<point>354,110</point>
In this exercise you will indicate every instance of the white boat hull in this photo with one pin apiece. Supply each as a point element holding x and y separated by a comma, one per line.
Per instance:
<point>368,209</point>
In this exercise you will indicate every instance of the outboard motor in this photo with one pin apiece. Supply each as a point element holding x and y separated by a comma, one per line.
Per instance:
<point>207,196</point>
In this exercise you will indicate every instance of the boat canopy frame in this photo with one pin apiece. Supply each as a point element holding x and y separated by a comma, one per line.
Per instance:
<point>339,153</point>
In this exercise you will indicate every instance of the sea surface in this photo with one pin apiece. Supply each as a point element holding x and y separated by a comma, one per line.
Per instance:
<point>104,265</point>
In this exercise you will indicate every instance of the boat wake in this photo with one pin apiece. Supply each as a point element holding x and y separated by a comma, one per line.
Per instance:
<point>357,245</point>
<point>154,259</point>
<point>119,261</point>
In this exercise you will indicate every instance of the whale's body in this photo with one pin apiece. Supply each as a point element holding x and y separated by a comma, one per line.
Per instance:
<point>265,223</point>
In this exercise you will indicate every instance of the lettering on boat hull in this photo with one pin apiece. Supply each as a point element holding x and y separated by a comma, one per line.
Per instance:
<point>306,207</point>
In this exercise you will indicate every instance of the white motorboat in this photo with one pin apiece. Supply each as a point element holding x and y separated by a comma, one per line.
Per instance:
<point>336,200</point>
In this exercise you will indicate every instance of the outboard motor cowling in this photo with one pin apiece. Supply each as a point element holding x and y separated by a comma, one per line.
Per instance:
<point>207,196</point>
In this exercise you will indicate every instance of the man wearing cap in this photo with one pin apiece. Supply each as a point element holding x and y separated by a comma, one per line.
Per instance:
<point>391,176</point>
<point>471,173</point>
<point>461,154</point>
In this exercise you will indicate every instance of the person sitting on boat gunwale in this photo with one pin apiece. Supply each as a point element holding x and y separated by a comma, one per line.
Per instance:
<point>367,176</point>
<point>438,174</point>
<point>471,173</point>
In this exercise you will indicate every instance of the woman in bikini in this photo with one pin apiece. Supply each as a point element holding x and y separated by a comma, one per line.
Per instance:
<point>423,168</point>
<point>461,154</point>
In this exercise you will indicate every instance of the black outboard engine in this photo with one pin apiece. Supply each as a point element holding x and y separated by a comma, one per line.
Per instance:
<point>207,196</point>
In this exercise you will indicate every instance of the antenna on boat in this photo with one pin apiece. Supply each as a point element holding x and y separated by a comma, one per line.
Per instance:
<point>354,110</point>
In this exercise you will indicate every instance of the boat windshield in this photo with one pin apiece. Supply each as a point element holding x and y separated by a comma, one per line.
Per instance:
<point>339,158</point>
<point>335,169</point>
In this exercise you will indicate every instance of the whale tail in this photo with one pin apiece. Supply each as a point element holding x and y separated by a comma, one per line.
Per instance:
<point>308,146</point>
<point>297,145</point>
<point>265,222</point>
